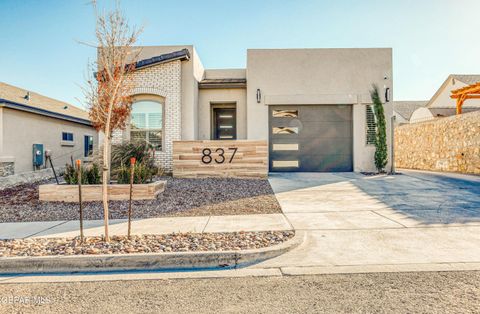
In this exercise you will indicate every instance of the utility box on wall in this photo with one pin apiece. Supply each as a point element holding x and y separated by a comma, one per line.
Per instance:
<point>37,155</point>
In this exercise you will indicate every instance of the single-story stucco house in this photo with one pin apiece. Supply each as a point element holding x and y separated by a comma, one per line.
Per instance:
<point>312,106</point>
<point>403,110</point>
<point>31,124</point>
<point>441,105</point>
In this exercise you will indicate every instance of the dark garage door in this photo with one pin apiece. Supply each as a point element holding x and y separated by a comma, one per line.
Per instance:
<point>311,138</point>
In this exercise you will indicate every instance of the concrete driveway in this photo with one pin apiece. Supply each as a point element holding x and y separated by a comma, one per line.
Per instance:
<point>357,223</point>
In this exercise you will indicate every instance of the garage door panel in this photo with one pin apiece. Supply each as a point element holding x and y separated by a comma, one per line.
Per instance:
<point>325,129</point>
<point>319,139</point>
<point>325,113</point>
<point>326,146</point>
<point>314,146</point>
<point>334,163</point>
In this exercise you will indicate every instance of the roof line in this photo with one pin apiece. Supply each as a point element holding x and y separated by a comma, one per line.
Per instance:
<point>223,83</point>
<point>183,54</point>
<point>22,107</point>
<point>437,93</point>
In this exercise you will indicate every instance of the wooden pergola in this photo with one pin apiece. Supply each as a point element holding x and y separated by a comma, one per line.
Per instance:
<point>464,93</point>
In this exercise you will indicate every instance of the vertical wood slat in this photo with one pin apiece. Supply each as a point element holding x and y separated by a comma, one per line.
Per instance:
<point>250,160</point>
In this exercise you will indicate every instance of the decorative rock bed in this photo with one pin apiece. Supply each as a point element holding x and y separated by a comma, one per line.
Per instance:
<point>177,242</point>
<point>183,197</point>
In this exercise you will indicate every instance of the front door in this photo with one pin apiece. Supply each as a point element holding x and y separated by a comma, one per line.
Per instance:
<point>224,124</point>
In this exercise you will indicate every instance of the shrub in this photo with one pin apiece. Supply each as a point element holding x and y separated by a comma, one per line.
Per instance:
<point>142,173</point>
<point>122,153</point>
<point>90,174</point>
<point>381,155</point>
<point>145,167</point>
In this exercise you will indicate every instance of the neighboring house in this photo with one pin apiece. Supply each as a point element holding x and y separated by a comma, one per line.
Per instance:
<point>312,105</point>
<point>403,110</point>
<point>31,123</point>
<point>441,105</point>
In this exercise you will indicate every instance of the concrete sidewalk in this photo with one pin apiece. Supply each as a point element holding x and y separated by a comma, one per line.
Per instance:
<point>232,223</point>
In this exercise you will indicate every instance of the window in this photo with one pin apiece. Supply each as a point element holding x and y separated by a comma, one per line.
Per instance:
<point>285,130</point>
<point>371,126</point>
<point>285,163</point>
<point>281,147</point>
<point>147,123</point>
<point>289,113</point>
<point>87,146</point>
<point>67,136</point>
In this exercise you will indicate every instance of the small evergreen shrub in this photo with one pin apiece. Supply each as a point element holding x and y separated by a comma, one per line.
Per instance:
<point>142,173</point>
<point>381,154</point>
<point>90,174</point>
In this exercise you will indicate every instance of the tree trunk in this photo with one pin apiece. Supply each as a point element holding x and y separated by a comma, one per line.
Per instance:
<point>105,181</point>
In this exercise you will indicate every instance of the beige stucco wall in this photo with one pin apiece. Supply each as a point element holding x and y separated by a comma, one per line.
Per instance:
<point>22,129</point>
<point>209,97</point>
<point>319,76</point>
<point>420,115</point>
<point>443,144</point>
<point>225,73</point>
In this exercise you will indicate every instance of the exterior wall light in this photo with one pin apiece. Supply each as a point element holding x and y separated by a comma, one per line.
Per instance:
<point>259,95</point>
<point>387,94</point>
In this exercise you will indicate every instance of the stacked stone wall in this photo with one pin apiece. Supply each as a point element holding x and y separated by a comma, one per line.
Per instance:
<point>449,144</point>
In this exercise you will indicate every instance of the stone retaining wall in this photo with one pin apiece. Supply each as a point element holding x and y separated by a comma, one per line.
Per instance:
<point>444,144</point>
<point>28,177</point>
<point>7,168</point>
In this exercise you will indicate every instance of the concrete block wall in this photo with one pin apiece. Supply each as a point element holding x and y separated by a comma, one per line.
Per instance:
<point>162,80</point>
<point>445,144</point>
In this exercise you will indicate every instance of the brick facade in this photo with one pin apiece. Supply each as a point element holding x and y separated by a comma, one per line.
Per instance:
<point>161,80</point>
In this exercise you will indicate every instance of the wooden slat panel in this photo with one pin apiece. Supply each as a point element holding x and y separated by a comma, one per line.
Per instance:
<point>116,192</point>
<point>250,161</point>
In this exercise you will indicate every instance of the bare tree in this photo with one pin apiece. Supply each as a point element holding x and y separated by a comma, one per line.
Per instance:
<point>108,92</point>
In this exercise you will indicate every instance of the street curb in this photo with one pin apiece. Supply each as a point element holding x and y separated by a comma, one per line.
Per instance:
<point>146,261</point>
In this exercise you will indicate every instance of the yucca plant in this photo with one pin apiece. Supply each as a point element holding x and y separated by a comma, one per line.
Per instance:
<point>122,153</point>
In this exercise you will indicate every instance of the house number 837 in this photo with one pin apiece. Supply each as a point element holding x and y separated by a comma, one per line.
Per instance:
<point>220,159</point>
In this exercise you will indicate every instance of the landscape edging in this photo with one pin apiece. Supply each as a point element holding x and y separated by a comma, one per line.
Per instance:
<point>146,261</point>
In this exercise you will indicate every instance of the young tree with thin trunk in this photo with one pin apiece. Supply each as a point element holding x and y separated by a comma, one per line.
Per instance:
<point>108,92</point>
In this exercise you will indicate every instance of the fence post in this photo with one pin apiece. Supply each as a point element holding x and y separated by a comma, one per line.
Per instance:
<point>79,179</point>
<point>132,171</point>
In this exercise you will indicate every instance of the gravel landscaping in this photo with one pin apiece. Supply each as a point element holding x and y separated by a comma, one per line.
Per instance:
<point>182,197</point>
<point>176,242</point>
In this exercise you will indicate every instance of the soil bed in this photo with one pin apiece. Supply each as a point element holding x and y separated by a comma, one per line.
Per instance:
<point>176,242</point>
<point>182,197</point>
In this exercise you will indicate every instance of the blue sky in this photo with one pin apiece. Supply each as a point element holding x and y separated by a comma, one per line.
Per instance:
<point>430,38</point>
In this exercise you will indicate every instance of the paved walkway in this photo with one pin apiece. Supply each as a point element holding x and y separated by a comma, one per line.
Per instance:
<point>147,226</point>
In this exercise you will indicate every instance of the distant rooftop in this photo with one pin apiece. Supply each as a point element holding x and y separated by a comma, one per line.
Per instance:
<point>406,108</point>
<point>467,78</point>
<point>23,99</point>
